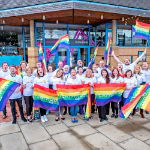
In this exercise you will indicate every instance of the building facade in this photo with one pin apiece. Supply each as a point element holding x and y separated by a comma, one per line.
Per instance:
<point>89,23</point>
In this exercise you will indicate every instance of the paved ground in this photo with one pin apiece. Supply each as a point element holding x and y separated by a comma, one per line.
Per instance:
<point>115,134</point>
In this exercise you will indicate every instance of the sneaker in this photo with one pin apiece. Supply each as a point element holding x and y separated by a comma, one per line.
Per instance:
<point>45,118</point>
<point>14,122</point>
<point>42,119</point>
<point>106,118</point>
<point>116,116</point>
<point>113,115</point>
<point>24,119</point>
<point>101,120</point>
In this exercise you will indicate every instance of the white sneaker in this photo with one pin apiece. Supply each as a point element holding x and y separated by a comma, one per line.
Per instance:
<point>45,118</point>
<point>42,119</point>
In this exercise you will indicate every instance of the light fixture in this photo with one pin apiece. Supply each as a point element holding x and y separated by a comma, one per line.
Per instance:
<point>88,21</point>
<point>22,19</point>
<point>44,17</point>
<point>56,21</point>
<point>122,19</point>
<point>102,17</point>
<point>3,21</point>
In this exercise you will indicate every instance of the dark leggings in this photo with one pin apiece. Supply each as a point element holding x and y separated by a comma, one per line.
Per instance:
<point>102,112</point>
<point>42,111</point>
<point>114,107</point>
<point>29,104</point>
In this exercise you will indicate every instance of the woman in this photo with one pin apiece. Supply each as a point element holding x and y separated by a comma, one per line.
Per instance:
<point>72,81</point>
<point>119,67</point>
<point>22,69</point>
<point>58,79</point>
<point>140,80</point>
<point>94,71</point>
<point>50,74</point>
<point>80,74</point>
<point>130,82</point>
<point>90,79</point>
<point>28,92</point>
<point>42,80</point>
<point>115,78</point>
<point>103,110</point>
<point>66,72</point>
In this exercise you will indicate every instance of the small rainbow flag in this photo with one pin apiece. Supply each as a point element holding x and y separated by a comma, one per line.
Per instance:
<point>45,98</point>
<point>108,50</point>
<point>72,95</point>
<point>141,30</point>
<point>105,93</point>
<point>6,90</point>
<point>144,102</point>
<point>41,57</point>
<point>132,100</point>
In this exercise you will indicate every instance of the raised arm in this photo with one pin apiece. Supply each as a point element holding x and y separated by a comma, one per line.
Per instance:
<point>138,59</point>
<point>116,58</point>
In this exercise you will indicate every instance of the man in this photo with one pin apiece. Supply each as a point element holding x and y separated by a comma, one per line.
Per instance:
<point>126,65</point>
<point>3,73</point>
<point>79,64</point>
<point>16,96</point>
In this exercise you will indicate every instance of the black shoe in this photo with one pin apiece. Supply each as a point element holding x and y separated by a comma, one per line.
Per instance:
<point>24,119</point>
<point>146,112</point>
<point>101,120</point>
<point>116,116</point>
<point>14,122</point>
<point>113,115</point>
<point>65,112</point>
<point>106,119</point>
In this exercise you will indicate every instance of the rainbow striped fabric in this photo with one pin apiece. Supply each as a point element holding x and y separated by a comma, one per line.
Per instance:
<point>105,93</point>
<point>41,57</point>
<point>6,90</point>
<point>73,95</point>
<point>108,50</point>
<point>132,100</point>
<point>144,102</point>
<point>141,30</point>
<point>63,42</point>
<point>45,98</point>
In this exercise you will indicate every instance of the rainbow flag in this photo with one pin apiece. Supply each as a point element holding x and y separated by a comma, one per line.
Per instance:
<point>45,98</point>
<point>108,50</point>
<point>144,102</point>
<point>105,93</point>
<point>63,42</point>
<point>72,95</point>
<point>6,90</point>
<point>132,100</point>
<point>93,58</point>
<point>141,30</point>
<point>41,57</point>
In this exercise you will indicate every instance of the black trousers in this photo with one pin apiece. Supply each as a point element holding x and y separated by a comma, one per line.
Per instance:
<point>42,111</point>
<point>107,106</point>
<point>102,112</point>
<point>29,104</point>
<point>13,107</point>
<point>114,107</point>
<point>4,111</point>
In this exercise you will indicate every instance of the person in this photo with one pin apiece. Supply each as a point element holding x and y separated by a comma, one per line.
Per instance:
<point>73,80</point>
<point>119,67</point>
<point>66,72</point>
<point>127,65</point>
<point>3,73</point>
<point>146,72</point>
<point>38,65</point>
<point>90,79</point>
<point>115,78</point>
<point>28,92</point>
<point>94,71</point>
<point>140,80</point>
<point>58,79</point>
<point>42,80</point>
<point>16,96</point>
<point>130,82</point>
<point>80,73</point>
<point>50,74</point>
<point>103,110</point>
<point>79,64</point>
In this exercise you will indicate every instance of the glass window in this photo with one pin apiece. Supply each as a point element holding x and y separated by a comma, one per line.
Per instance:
<point>100,35</point>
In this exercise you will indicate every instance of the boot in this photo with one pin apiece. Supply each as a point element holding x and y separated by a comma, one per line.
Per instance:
<point>134,112</point>
<point>141,113</point>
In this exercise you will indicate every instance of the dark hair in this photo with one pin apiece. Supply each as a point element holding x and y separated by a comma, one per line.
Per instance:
<point>4,63</point>
<point>52,65</point>
<point>113,73</point>
<point>127,72</point>
<point>107,76</point>
<point>13,66</point>
<point>38,73</point>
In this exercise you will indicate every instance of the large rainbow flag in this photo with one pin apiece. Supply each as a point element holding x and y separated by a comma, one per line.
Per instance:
<point>72,95</point>
<point>144,102</point>
<point>132,100</point>
<point>108,50</point>
<point>6,90</point>
<point>141,30</point>
<point>105,93</point>
<point>45,98</point>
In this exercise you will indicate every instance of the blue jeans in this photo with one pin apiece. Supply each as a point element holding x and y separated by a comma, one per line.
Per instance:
<point>74,111</point>
<point>60,112</point>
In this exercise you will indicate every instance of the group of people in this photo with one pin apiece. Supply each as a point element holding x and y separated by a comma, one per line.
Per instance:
<point>131,74</point>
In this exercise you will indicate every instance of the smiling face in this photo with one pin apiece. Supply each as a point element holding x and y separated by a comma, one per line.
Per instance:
<point>115,72</point>
<point>13,70</point>
<point>5,66</point>
<point>40,72</point>
<point>101,64</point>
<point>50,68</point>
<point>60,65</point>
<point>104,73</point>
<point>28,71</point>
<point>129,74</point>
<point>59,73</point>
<point>73,73</point>
<point>145,66</point>
<point>127,62</point>
<point>80,70</point>
<point>94,68</point>
<point>39,65</point>
<point>80,63</point>
<point>66,69</point>
<point>88,73</point>
<point>23,66</point>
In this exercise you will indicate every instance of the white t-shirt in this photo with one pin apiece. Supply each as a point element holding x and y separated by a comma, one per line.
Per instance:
<point>91,81</point>
<point>130,83</point>
<point>147,75</point>
<point>3,74</point>
<point>73,81</point>
<point>100,70</point>
<point>42,81</point>
<point>28,81</point>
<point>96,75</point>
<point>81,77</point>
<point>140,78</point>
<point>17,93</point>
<point>128,67</point>
<point>50,75</point>
<point>116,80</point>
<point>56,81</point>
<point>101,80</point>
